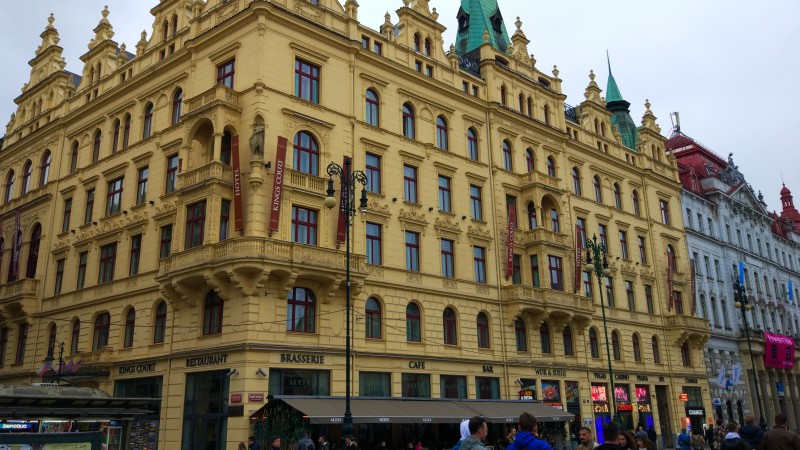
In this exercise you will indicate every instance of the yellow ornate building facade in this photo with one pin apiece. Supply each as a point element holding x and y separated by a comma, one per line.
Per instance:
<point>153,242</point>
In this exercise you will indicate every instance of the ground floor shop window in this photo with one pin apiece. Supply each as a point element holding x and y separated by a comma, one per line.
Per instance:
<point>416,385</point>
<point>375,384</point>
<point>487,388</point>
<point>205,411</point>
<point>144,430</point>
<point>453,386</point>
<point>299,382</point>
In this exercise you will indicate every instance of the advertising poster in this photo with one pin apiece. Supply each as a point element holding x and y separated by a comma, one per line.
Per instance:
<point>599,393</point>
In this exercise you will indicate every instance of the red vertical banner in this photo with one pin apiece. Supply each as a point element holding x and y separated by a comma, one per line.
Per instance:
<point>512,228</point>
<point>277,185</point>
<point>237,184</point>
<point>344,199</point>
<point>670,274</point>
<point>578,257</point>
<point>693,284</point>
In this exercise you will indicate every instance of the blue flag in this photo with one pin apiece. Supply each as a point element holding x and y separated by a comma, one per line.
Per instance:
<point>741,273</point>
<point>791,295</point>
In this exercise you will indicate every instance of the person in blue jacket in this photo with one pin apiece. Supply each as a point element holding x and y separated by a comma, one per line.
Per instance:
<point>684,441</point>
<point>526,436</point>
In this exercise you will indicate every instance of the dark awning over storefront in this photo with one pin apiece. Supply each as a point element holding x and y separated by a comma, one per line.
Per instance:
<point>66,402</point>
<point>329,410</point>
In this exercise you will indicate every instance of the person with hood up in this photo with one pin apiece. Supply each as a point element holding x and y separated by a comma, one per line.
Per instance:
<point>464,428</point>
<point>526,436</point>
<point>732,439</point>
<point>477,434</point>
<point>684,441</point>
<point>750,432</point>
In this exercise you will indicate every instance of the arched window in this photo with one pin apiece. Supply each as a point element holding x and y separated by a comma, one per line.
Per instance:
<point>635,199</point>
<point>76,337</point>
<point>427,47</point>
<point>703,308</point>
<point>530,163</point>
<point>615,350</point>
<point>544,337</point>
<point>617,196</point>
<point>51,341</point>
<point>147,130</point>
<point>566,336</point>
<point>306,153</point>
<point>531,216</point>
<point>576,181</point>
<point>596,126</point>
<point>686,357</point>
<point>546,114</point>
<point>656,353</point>
<point>521,101</point>
<point>671,257</point>
<point>44,169</point>
<point>441,133</point>
<point>603,129</point>
<point>160,325</point>
<point>177,103</point>
<point>98,137</point>
<point>130,328</point>
<point>554,221</point>
<point>126,131</point>
<point>13,265</point>
<point>165,30</point>
<point>714,311</point>
<point>449,324</point>
<point>27,170</point>
<point>100,335</point>
<point>409,121</point>
<point>212,314</point>
<point>483,330</point>
<point>521,335</point>
<point>73,158</point>
<point>417,42</point>
<point>301,313</point>
<point>371,108</point>
<point>174,24</point>
<point>593,346</point>
<point>503,95</point>
<point>9,187</point>
<point>372,310</point>
<point>472,144</point>
<point>637,350</point>
<point>551,166</point>
<point>413,324</point>
<point>598,189</point>
<point>508,161</point>
<point>115,137</point>
<point>725,321</point>
<point>33,251</point>
<point>530,107</point>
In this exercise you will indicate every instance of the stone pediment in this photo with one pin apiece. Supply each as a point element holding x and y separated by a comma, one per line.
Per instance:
<point>413,219</point>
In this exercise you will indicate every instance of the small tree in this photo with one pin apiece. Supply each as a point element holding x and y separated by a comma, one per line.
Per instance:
<point>281,421</point>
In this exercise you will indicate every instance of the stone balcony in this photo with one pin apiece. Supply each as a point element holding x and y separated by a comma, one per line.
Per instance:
<point>555,306</point>
<point>537,179</point>
<point>681,328</point>
<point>217,95</point>
<point>540,235</point>
<point>19,298</point>
<point>305,182</point>
<point>213,171</point>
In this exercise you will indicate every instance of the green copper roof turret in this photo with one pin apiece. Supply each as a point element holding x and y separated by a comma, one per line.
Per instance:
<point>474,17</point>
<point>612,90</point>
<point>620,112</point>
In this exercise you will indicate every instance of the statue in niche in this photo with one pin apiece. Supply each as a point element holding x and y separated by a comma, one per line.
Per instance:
<point>257,141</point>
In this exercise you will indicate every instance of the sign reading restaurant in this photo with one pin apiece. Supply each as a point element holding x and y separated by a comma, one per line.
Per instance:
<point>207,360</point>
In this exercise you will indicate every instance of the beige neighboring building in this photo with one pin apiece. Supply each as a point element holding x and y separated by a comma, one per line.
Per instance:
<point>142,191</point>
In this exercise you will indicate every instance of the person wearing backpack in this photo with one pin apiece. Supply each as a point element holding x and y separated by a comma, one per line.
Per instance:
<point>525,438</point>
<point>697,441</point>
<point>684,441</point>
<point>306,443</point>
<point>732,439</point>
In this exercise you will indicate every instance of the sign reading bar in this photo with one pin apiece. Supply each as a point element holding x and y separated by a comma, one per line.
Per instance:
<point>207,360</point>
<point>277,185</point>
<point>237,184</point>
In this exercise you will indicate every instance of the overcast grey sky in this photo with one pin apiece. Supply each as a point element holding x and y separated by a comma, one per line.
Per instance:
<point>729,67</point>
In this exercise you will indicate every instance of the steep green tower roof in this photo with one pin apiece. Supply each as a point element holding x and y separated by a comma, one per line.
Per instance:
<point>620,112</point>
<point>474,17</point>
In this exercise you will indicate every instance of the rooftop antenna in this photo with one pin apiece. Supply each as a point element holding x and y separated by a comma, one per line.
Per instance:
<point>676,124</point>
<point>608,58</point>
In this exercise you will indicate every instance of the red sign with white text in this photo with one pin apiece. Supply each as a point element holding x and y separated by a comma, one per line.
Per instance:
<point>237,184</point>
<point>512,226</point>
<point>277,186</point>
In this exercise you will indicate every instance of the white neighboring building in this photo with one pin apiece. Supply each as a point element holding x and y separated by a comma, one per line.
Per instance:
<point>727,223</point>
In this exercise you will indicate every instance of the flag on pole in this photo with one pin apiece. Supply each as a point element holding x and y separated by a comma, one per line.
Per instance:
<point>791,295</point>
<point>46,367</point>
<point>741,273</point>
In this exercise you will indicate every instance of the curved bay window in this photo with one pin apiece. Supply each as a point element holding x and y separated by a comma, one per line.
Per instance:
<point>226,152</point>
<point>483,330</point>
<point>413,325</point>
<point>449,326</point>
<point>372,311</point>
<point>530,164</point>
<point>551,166</point>
<point>531,216</point>
<point>301,311</point>
<point>306,153</point>
<point>212,314</point>
<point>100,335</point>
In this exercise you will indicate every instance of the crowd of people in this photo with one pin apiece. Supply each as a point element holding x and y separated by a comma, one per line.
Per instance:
<point>747,437</point>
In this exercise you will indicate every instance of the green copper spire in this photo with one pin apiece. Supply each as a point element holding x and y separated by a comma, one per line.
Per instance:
<point>620,112</point>
<point>474,17</point>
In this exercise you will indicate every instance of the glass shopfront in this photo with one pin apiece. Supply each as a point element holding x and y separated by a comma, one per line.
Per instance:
<point>487,388</point>
<point>374,384</point>
<point>416,385</point>
<point>602,412</point>
<point>205,411</point>
<point>643,404</point>
<point>622,395</point>
<point>453,386</point>
<point>299,382</point>
<point>573,401</point>
<point>144,431</point>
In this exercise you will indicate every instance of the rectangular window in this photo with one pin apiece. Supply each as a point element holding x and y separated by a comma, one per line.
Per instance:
<point>642,250</point>
<point>610,292</point>
<point>374,233</point>
<point>165,242</point>
<point>67,215</point>
<point>678,302</point>
<point>648,297</point>
<point>516,269</point>
<point>429,70</point>
<point>710,227</point>
<point>114,196</point>
<point>535,271</point>
<point>664,206</point>
<point>410,184</point>
<point>172,174</point>
<point>416,385</point>
<point>444,194</point>
<point>3,345</point>
<point>59,276</point>
<point>378,48</point>
<point>623,244</point>
<point>374,384</point>
<point>487,388</point>
<point>373,172</point>
<point>556,273</point>
<point>717,269</point>
<point>475,202</point>
<point>453,386</point>
<point>295,382</point>
<point>418,66</point>
<point>306,81</point>
<point>689,219</point>
<point>224,219</point>
<point>695,257</point>
<point>603,235</point>
<point>83,258</point>
<point>87,215</point>
<point>195,225</point>
<point>700,222</point>
<point>412,251</point>
<point>225,73</point>
<point>136,255</point>
<point>447,252</point>
<point>304,225</point>
<point>629,294</point>
<point>587,285</point>
<point>108,259</point>
<point>365,42</point>
<point>728,232</point>
<point>581,222</point>
<point>141,186</point>
<point>707,266</point>
<point>22,343</point>
<point>479,264</point>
